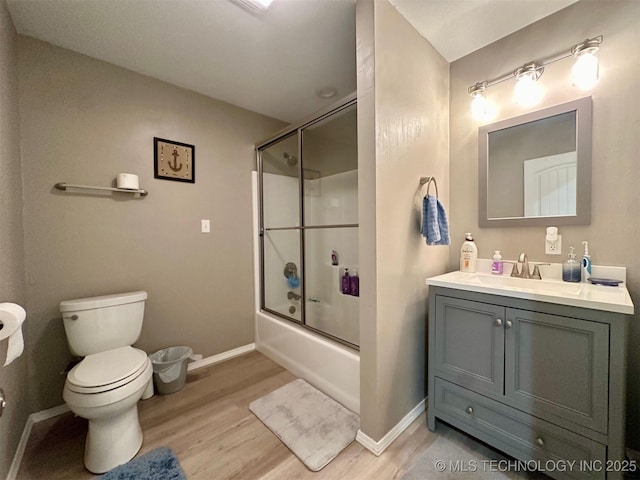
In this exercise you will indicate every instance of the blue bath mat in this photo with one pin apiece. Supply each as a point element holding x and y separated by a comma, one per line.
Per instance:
<point>158,464</point>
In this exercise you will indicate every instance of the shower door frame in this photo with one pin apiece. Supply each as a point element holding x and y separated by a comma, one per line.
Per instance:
<point>291,130</point>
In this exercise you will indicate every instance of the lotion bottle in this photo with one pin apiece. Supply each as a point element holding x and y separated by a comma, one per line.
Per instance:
<point>468,255</point>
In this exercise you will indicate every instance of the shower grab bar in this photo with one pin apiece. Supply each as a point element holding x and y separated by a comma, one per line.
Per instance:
<point>313,227</point>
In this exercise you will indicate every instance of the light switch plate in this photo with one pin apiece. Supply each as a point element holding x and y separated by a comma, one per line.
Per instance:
<point>205,225</point>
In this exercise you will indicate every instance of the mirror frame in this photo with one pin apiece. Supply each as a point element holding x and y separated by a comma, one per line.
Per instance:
<point>582,107</point>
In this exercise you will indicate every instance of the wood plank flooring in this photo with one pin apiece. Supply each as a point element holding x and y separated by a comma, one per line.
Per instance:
<point>214,435</point>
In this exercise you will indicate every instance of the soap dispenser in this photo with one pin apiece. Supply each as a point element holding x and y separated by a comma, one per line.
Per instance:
<point>571,269</point>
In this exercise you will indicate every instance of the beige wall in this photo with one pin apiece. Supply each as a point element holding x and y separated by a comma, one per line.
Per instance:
<point>84,121</point>
<point>11,251</point>
<point>615,228</point>
<point>408,138</point>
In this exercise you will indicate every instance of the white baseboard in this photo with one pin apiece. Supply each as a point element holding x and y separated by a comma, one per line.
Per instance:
<point>26,432</point>
<point>61,409</point>
<point>378,447</point>
<point>221,357</point>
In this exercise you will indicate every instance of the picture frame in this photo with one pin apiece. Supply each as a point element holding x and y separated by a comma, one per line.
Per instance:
<point>174,160</point>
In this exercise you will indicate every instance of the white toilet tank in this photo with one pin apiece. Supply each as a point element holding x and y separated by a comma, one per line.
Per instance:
<point>98,324</point>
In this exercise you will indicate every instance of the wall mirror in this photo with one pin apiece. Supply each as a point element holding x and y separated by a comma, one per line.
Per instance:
<point>535,169</point>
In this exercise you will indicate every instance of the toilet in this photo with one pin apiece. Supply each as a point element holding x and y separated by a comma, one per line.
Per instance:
<point>107,384</point>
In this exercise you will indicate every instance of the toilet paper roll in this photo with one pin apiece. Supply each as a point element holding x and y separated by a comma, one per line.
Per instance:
<point>12,317</point>
<point>128,181</point>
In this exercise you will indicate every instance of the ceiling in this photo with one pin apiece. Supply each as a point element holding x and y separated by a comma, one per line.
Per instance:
<point>271,63</point>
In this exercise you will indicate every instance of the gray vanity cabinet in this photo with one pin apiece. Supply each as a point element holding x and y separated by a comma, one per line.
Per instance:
<point>530,378</point>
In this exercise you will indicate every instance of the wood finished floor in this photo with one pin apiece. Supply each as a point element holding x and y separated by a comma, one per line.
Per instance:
<point>214,435</point>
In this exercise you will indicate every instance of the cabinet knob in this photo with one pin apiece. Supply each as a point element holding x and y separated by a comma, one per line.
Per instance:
<point>508,324</point>
<point>469,410</point>
<point>540,441</point>
<point>498,322</point>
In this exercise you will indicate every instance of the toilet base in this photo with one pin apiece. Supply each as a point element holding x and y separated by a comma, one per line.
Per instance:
<point>112,441</point>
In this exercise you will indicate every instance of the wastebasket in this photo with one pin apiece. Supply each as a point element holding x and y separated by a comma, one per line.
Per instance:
<point>170,368</point>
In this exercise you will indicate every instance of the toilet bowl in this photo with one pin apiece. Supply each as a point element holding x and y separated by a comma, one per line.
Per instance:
<point>107,384</point>
<point>105,388</point>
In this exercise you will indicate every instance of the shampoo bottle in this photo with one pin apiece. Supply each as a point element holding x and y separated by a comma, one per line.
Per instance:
<point>346,282</point>
<point>354,284</point>
<point>468,254</point>
<point>571,268</point>
<point>586,263</point>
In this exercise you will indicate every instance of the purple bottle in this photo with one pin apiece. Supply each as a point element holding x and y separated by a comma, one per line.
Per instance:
<point>354,284</point>
<point>346,284</point>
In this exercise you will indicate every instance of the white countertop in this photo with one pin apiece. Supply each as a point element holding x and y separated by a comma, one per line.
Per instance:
<point>585,295</point>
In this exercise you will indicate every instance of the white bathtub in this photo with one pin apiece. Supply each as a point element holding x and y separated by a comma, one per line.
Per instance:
<point>330,367</point>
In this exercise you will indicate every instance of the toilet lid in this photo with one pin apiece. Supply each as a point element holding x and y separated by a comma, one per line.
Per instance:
<point>106,370</point>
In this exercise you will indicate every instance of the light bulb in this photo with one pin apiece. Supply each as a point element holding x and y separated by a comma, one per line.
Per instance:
<point>479,106</point>
<point>528,91</point>
<point>585,71</point>
<point>481,109</point>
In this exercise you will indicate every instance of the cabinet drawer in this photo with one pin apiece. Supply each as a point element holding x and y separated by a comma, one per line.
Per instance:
<point>523,436</point>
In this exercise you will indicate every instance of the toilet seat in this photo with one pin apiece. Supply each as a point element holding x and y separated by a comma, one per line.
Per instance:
<point>105,371</point>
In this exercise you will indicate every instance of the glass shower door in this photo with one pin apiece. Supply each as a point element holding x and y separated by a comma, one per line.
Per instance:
<point>281,236</point>
<point>309,224</point>
<point>330,165</point>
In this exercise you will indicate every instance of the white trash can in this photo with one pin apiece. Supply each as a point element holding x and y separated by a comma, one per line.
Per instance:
<point>170,368</point>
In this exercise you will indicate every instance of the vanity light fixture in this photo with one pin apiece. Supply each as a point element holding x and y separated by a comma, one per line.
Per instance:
<point>584,74</point>
<point>480,108</point>
<point>528,91</point>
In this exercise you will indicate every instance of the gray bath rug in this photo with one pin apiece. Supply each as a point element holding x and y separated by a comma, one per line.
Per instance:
<point>315,427</point>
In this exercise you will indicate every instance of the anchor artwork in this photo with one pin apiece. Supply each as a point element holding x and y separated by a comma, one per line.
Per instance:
<point>174,160</point>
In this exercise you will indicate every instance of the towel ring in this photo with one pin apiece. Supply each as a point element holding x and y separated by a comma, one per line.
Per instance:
<point>428,181</point>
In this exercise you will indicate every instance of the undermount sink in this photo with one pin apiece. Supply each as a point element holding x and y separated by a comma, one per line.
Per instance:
<point>527,284</point>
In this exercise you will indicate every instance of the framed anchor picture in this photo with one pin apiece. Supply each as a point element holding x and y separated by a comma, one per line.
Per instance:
<point>174,160</point>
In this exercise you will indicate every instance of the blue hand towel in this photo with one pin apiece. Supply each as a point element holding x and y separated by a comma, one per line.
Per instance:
<point>435,227</point>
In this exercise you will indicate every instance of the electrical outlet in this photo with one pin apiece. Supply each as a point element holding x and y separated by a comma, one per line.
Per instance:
<point>553,248</point>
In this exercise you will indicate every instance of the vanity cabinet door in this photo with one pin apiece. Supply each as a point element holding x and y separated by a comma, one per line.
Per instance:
<point>556,368</point>
<point>469,344</point>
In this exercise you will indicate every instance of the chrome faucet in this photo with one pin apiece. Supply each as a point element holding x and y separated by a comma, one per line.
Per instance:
<point>522,258</point>
<point>525,272</point>
<point>293,296</point>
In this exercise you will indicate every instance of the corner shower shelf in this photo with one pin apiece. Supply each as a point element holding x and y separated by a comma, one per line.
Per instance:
<point>64,186</point>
